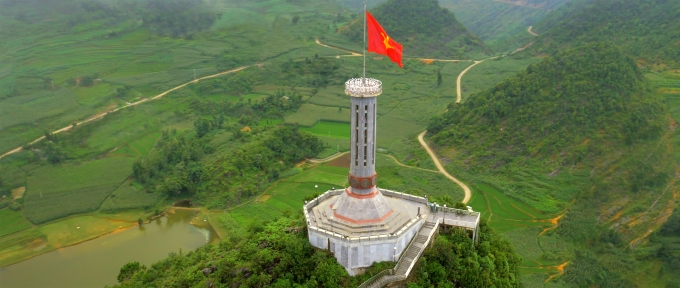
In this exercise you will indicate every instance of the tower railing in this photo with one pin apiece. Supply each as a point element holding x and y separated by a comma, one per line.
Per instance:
<point>363,87</point>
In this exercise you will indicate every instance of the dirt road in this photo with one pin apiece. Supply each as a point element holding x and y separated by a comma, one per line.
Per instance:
<point>468,192</point>
<point>530,31</point>
<point>101,115</point>
<point>460,77</point>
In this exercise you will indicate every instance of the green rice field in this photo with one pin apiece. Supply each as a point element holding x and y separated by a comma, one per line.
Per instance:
<point>58,191</point>
<point>12,221</point>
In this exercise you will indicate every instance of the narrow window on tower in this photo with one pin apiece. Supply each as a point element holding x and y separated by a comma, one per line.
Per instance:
<point>365,152</point>
<point>356,138</point>
<point>365,146</point>
<point>375,123</point>
<point>366,116</point>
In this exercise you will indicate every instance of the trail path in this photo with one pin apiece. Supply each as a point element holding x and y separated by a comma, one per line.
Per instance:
<point>407,166</point>
<point>530,31</point>
<point>338,48</point>
<point>460,77</point>
<point>466,189</point>
<point>101,115</point>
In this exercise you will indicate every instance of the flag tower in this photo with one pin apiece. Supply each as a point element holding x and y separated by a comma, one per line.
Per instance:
<point>362,224</point>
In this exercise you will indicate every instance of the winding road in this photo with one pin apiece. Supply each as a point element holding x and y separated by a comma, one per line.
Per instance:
<point>468,193</point>
<point>460,77</point>
<point>531,31</point>
<point>466,189</point>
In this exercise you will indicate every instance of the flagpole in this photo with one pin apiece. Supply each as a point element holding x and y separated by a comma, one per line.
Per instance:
<point>365,10</point>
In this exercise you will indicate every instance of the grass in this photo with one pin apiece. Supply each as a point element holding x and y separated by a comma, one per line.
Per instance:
<point>12,221</point>
<point>58,191</point>
<point>286,195</point>
<point>330,129</point>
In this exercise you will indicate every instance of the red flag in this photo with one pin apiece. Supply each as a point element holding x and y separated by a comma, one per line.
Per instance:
<point>379,42</point>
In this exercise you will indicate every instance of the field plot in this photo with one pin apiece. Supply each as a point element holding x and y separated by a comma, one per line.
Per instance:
<point>664,84</point>
<point>17,246</point>
<point>528,230</point>
<point>502,212</point>
<point>127,196</point>
<point>310,114</point>
<point>286,196</point>
<point>58,191</point>
<point>11,222</point>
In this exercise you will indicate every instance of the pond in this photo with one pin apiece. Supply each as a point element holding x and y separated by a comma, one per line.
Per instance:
<point>96,263</point>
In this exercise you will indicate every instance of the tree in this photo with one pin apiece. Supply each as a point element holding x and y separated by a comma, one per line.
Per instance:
<point>202,127</point>
<point>128,270</point>
<point>295,20</point>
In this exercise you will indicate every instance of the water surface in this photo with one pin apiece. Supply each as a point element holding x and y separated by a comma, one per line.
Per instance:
<point>96,263</point>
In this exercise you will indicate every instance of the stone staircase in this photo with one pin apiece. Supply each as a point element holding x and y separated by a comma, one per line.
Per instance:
<point>407,260</point>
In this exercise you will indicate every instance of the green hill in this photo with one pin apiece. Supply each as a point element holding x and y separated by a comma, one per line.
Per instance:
<point>589,92</point>
<point>502,25</point>
<point>648,30</point>
<point>579,136</point>
<point>424,28</point>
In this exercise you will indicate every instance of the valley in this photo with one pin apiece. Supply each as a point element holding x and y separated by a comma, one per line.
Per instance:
<point>109,122</point>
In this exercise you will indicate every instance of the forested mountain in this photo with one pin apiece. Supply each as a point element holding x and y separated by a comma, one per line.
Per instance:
<point>648,30</point>
<point>588,92</point>
<point>545,4</point>
<point>502,25</point>
<point>423,27</point>
<point>579,134</point>
<point>175,18</point>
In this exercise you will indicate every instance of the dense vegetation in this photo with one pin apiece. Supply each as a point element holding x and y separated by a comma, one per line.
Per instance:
<point>452,263</point>
<point>591,92</point>
<point>176,17</point>
<point>186,165</point>
<point>424,28</point>
<point>278,254</point>
<point>647,29</point>
<point>579,134</point>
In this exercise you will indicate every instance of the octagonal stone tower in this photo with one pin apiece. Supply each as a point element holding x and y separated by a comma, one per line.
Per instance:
<point>362,224</point>
<point>362,202</point>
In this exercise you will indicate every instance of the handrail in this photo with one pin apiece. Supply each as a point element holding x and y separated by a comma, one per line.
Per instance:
<point>401,258</point>
<point>376,277</point>
<point>422,249</point>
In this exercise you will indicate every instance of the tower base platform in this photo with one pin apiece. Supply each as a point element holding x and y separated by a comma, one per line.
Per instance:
<point>358,244</point>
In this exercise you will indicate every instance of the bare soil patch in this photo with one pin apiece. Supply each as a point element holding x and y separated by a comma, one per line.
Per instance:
<point>342,161</point>
<point>18,192</point>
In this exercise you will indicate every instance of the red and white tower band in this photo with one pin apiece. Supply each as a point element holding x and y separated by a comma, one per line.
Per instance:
<point>362,202</point>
